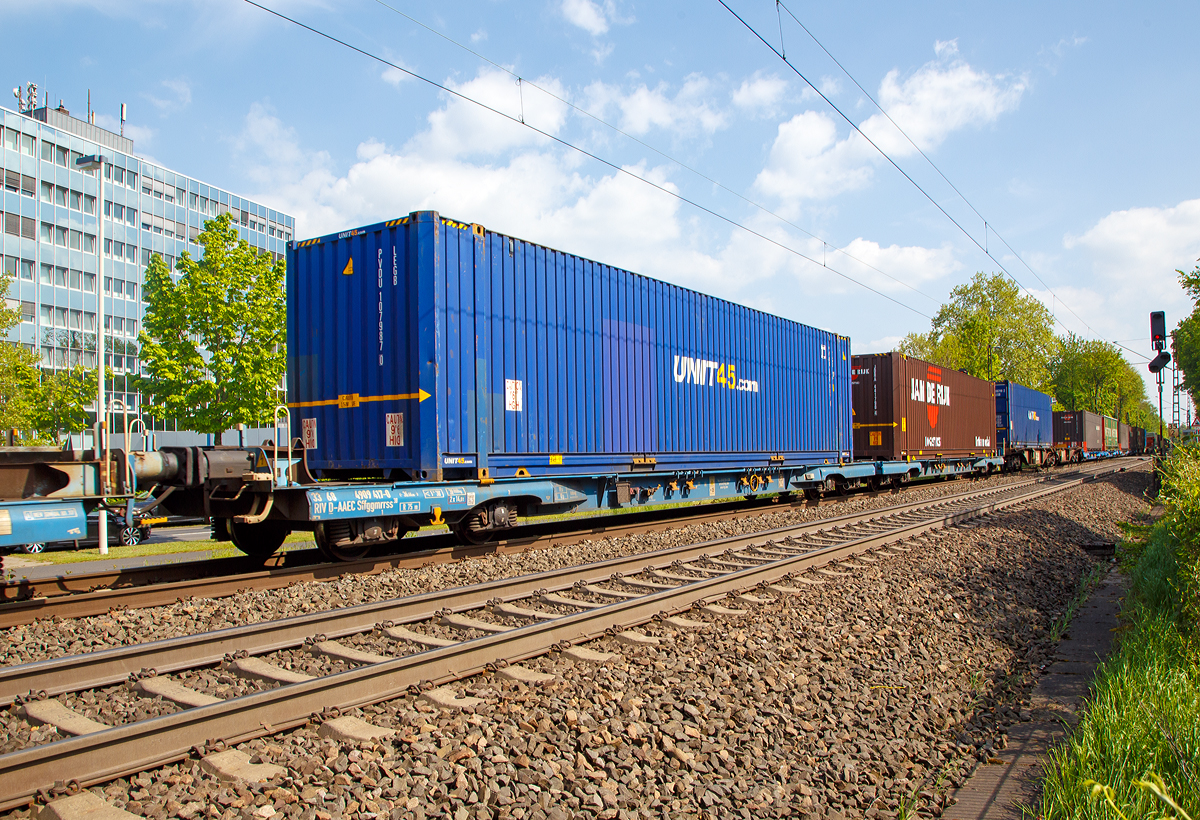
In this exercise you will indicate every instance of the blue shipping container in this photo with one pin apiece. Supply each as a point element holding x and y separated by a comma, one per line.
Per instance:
<point>1024,417</point>
<point>424,348</point>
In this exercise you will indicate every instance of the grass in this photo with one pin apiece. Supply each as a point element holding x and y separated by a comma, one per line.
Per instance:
<point>1143,716</point>
<point>219,549</point>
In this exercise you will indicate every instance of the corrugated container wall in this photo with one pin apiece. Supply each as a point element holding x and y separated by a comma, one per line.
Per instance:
<point>1137,440</point>
<point>1111,439</point>
<point>1124,439</point>
<point>1024,417</point>
<point>908,409</point>
<point>425,348</point>
<point>1079,428</point>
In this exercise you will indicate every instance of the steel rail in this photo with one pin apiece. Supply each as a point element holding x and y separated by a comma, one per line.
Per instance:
<point>135,747</point>
<point>81,595</point>
<point>107,666</point>
<point>77,596</point>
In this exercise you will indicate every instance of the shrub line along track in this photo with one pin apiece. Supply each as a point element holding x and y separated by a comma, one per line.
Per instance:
<point>745,562</point>
<point>79,596</point>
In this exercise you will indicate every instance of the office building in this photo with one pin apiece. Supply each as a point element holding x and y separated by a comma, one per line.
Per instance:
<point>50,213</point>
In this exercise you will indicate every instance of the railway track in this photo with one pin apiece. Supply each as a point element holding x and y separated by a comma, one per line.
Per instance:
<point>439,637</point>
<point>86,594</point>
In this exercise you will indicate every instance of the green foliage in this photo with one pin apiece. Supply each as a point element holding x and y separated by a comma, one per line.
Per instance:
<point>61,399</point>
<point>1093,375</point>
<point>213,341</point>
<point>1180,494</point>
<point>18,369</point>
<point>1185,339</point>
<point>991,331</point>
<point>1140,736</point>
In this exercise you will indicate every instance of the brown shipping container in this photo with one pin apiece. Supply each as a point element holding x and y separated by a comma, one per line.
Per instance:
<point>908,409</point>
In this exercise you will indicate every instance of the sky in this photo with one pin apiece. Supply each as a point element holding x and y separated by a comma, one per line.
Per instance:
<point>1053,141</point>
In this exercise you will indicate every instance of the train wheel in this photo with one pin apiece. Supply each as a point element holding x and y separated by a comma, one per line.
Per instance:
<point>336,548</point>
<point>812,494</point>
<point>257,540</point>
<point>462,529</point>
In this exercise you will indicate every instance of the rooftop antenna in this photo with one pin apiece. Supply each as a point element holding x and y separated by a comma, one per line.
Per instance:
<point>27,101</point>
<point>122,119</point>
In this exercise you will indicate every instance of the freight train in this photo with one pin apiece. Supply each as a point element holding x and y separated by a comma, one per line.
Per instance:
<point>439,372</point>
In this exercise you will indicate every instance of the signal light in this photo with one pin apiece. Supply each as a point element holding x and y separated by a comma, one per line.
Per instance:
<point>1158,330</point>
<point>1160,361</point>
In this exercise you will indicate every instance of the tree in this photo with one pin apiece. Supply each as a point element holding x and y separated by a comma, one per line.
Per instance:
<point>18,368</point>
<point>213,341</point>
<point>991,331</point>
<point>1185,338</point>
<point>1088,374</point>
<point>61,401</point>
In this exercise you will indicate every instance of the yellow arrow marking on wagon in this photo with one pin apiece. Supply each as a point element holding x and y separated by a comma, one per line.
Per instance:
<point>349,269</point>
<point>350,400</point>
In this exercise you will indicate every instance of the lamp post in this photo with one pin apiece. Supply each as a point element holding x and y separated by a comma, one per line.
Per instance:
<point>95,162</point>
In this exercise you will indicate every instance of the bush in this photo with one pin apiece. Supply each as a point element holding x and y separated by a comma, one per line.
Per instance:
<point>1180,494</point>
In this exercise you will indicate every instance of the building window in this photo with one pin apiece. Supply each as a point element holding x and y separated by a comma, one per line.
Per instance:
<point>107,289</point>
<point>131,327</point>
<point>131,180</point>
<point>47,233</point>
<point>60,196</point>
<point>76,279</point>
<point>75,200</point>
<point>60,155</point>
<point>12,181</point>
<point>47,193</point>
<point>89,322</point>
<point>11,138</point>
<point>89,243</point>
<point>76,241</point>
<point>89,204</point>
<point>118,287</point>
<point>60,277</point>
<point>131,253</point>
<point>131,292</point>
<point>28,313</point>
<point>76,319</point>
<point>27,145</point>
<point>130,216</point>
<point>27,270</point>
<point>28,227</point>
<point>89,282</point>
<point>47,275</point>
<point>12,224</point>
<point>47,151</point>
<point>45,316</point>
<point>60,317</point>
<point>60,236</point>
<point>118,175</point>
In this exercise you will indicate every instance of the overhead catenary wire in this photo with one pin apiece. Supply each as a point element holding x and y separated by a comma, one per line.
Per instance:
<point>649,147</point>
<point>902,172</point>
<point>986,225</point>
<point>566,144</point>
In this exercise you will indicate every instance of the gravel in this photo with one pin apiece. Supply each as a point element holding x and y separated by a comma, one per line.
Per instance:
<point>871,692</point>
<point>56,638</point>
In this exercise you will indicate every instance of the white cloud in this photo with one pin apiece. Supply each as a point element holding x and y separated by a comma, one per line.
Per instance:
<point>179,96</point>
<point>479,36</point>
<point>760,92</point>
<point>394,76</point>
<point>587,15</point>
<point>140,134</point>
<point>542,192</point>
<point>809,160</point>
<point>461,127</point>
<point>911,264</point>
<point>691,110</point>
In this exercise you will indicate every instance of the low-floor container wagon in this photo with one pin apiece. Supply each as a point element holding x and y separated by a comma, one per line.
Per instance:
<point>1124,437</point>
<point>1078,434</point>
<point>906,409</point>
<point>1024,425</point>
<point>427,352</point>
